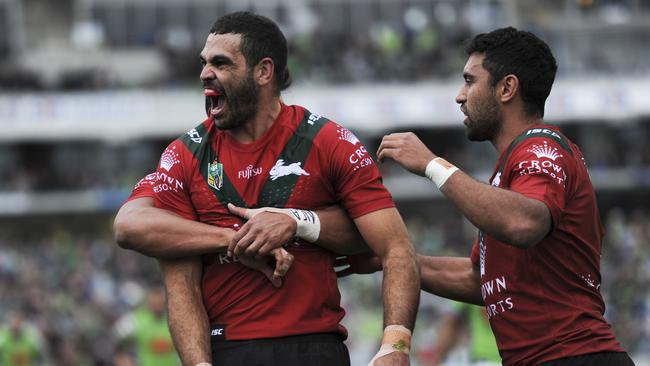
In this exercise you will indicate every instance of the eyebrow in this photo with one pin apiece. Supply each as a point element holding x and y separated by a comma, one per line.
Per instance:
<point>218,60</point>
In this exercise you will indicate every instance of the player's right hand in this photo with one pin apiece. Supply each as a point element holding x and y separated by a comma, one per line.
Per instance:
<point>407,150</point>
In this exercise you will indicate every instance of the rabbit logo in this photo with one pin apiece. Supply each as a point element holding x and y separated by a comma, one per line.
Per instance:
<point>281,170</point>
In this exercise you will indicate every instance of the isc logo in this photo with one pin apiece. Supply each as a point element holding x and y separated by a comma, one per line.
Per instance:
<point>216,332</point>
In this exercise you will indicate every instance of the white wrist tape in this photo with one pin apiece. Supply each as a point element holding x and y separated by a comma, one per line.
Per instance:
<point>308,222</point>
<point>393,342</point>
<point>439,170</point>
<point>203,364</point>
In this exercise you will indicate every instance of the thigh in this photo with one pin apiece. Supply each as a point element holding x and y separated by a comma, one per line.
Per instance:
<point>291,351</point>
<point>594,359</point>
<point>312,354</point>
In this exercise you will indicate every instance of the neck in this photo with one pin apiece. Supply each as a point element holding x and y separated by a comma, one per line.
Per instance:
<point>252,130</point>
<point>510,129</point>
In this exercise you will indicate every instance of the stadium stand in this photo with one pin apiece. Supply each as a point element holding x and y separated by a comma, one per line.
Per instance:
<point>121,81</point>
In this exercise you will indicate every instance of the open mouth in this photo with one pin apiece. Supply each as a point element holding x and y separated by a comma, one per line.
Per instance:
<point>216,102</point>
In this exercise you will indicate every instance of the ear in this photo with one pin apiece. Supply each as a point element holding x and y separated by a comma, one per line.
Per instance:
<point>507,88</point>
<point>264,71</point>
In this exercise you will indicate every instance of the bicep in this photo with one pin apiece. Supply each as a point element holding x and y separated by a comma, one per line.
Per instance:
<point>381,228</point>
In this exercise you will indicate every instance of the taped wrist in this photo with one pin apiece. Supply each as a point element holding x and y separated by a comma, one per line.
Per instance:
<point>203,364</point>
<point>439,170</point>
<point>308,222</point>
<point>397,338</point>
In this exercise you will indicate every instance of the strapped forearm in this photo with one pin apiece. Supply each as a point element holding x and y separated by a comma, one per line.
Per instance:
<point>159,233</point>
<point>451,277</point>
<point>188,321</point>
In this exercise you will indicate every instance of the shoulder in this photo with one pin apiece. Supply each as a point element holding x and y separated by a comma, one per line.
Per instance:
<point>196,137</point>
<point>187,145</point>
<point>544,135</point>
<point>311,126</point>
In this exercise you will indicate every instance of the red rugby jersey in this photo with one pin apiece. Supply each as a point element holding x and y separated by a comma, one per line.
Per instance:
<point>544,302</point>
<point>302,161</point>
<point>144,187</point>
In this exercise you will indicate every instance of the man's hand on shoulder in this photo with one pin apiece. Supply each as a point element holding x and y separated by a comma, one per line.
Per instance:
<point>407,150</point>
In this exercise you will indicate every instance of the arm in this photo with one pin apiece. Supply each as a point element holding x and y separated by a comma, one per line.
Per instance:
<point>188,321</point>
<point>386,234</point>
<point>508,216</point>
<point>338,232</point>
<point>451,277</point>
<point>160,233</point>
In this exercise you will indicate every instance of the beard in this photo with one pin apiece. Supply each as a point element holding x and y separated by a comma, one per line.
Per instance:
<point>484,121</point>
<point>242,103</point>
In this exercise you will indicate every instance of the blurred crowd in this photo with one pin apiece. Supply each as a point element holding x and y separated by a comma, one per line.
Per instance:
<point>70,291</point>
<point>342,41</point>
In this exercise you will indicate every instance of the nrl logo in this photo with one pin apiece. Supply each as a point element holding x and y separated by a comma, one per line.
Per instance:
<point>545,151</point>
<point>215,174</point>
<point>281,170</point>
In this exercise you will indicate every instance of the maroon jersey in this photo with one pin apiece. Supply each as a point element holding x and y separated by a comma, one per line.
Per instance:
<point>544,302</point>
<point>302,161</point>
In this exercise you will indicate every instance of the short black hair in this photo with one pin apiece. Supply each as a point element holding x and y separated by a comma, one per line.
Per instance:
<point>521,53</point>
<point>260,37</point>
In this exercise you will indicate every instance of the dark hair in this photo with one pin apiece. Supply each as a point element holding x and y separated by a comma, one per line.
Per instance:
<point>511,51</point>
<point>260,37</point>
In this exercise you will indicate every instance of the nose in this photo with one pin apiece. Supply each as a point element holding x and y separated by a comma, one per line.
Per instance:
<point>207,73</point>
<point>462,96</point>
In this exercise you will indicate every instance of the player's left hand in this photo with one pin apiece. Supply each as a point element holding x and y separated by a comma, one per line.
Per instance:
<point>283,261</point>
<point>263,232</point>
<point>392,359</point>
<point>407,150</point>
<point>364,263</point>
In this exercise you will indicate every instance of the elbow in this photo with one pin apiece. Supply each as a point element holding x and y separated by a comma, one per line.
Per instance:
<point>122,232</point>
<point>525,233</point>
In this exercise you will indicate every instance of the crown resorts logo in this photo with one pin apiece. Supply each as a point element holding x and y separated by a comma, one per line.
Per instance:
<point>545,151</point>
<point>169,158</point>
<point>346,135</point>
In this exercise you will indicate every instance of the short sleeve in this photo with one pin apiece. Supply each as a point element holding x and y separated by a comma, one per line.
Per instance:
<point>172,186</point>
<point>355,175</point>
<point>540,169</point>
<point>475,256</point>
<point>144,188</point>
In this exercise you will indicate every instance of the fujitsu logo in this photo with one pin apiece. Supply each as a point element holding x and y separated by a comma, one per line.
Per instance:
<point>346,135</point>
<point>169,158</point>
<point>250,171</point>
<point>545,151</point>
